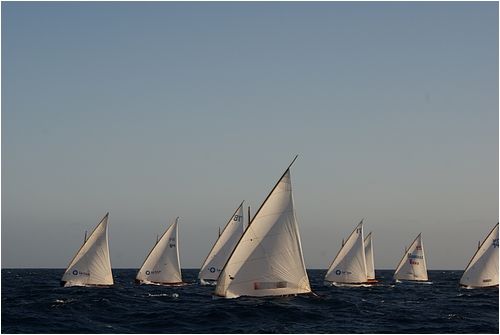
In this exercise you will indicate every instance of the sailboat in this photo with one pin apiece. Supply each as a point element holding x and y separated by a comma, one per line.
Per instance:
<point>268,260</point>
<point>412,267</point>
<point>162,265</point>
<point>482,270</point>
<point>370,264</point>
<point>222,248</point>
<point>349,266</point>
<point>91,266</point>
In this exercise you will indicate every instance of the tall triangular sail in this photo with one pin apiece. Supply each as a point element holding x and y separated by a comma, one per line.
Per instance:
<point>370,264</point>
<point>223,247</point>
<point>91,264</point>
<point>413,266</point>
<point>162,265</point>
<point>268,260</point>
<point>349,266</point>
<point>482,270</point>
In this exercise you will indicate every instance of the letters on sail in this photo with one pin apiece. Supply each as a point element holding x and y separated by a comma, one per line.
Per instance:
<point>370,264</point>
<point>268,260</point>
<point>482,270</point>
<point>412,266</point>
<point>349,266</point>
<point>91,265</point>
<point>222,248</point>
<point>162,265</point>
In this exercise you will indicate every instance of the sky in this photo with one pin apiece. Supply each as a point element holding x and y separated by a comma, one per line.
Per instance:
<point>156,110</point>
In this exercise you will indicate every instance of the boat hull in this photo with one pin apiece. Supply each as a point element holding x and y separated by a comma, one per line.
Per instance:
<point>69,284</point>
<point>408,281</point>
<point>467,287</point>
<point>144,282</point>
<point>215,296</point>
<point>337,284</point>
<point>208,282</point>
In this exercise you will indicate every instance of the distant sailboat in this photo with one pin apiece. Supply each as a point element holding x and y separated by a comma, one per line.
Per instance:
<point>349,266</point>
<point>222,248</point>
<point>91,265</point>
<point>412,267</point>
<point>162,265</point>
<point>268,260</point>
<point>370,264</point>
<point>482,270</point>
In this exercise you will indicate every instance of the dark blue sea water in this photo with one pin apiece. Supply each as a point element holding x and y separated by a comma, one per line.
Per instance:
<point>33,302</point>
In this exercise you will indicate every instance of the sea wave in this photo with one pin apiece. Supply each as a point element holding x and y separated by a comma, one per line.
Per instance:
<point>33,302</point>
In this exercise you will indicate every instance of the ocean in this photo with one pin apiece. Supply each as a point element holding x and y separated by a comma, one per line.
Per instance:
<point>33,302</point>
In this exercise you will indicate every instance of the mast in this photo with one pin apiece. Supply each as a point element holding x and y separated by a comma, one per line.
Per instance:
<point>248,216</point>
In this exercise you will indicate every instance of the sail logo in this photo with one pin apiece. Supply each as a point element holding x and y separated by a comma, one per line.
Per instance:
<point>237,218</point>
<point>81,273</point>
<point>342,272</point>
<point>171,243</point>
<point>495,243</point>
<point>154,272</point>
<point>419,247</point>
<point>212,270</point>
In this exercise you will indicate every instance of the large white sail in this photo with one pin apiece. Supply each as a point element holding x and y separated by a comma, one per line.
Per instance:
<point>370,264</point>
<point>91,264</point>
<point>162,265</point>
<point>223,247</point>
<point>482,270</point>
<point>349,266</point>
<point>412,266</point>
<point>268,260</point>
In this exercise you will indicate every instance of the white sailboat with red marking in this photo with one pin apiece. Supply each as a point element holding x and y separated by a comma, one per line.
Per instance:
<point>268,260</point>
<point>412,266</point>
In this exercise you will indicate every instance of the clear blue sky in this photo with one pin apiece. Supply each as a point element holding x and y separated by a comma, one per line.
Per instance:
<point>157,110</point>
